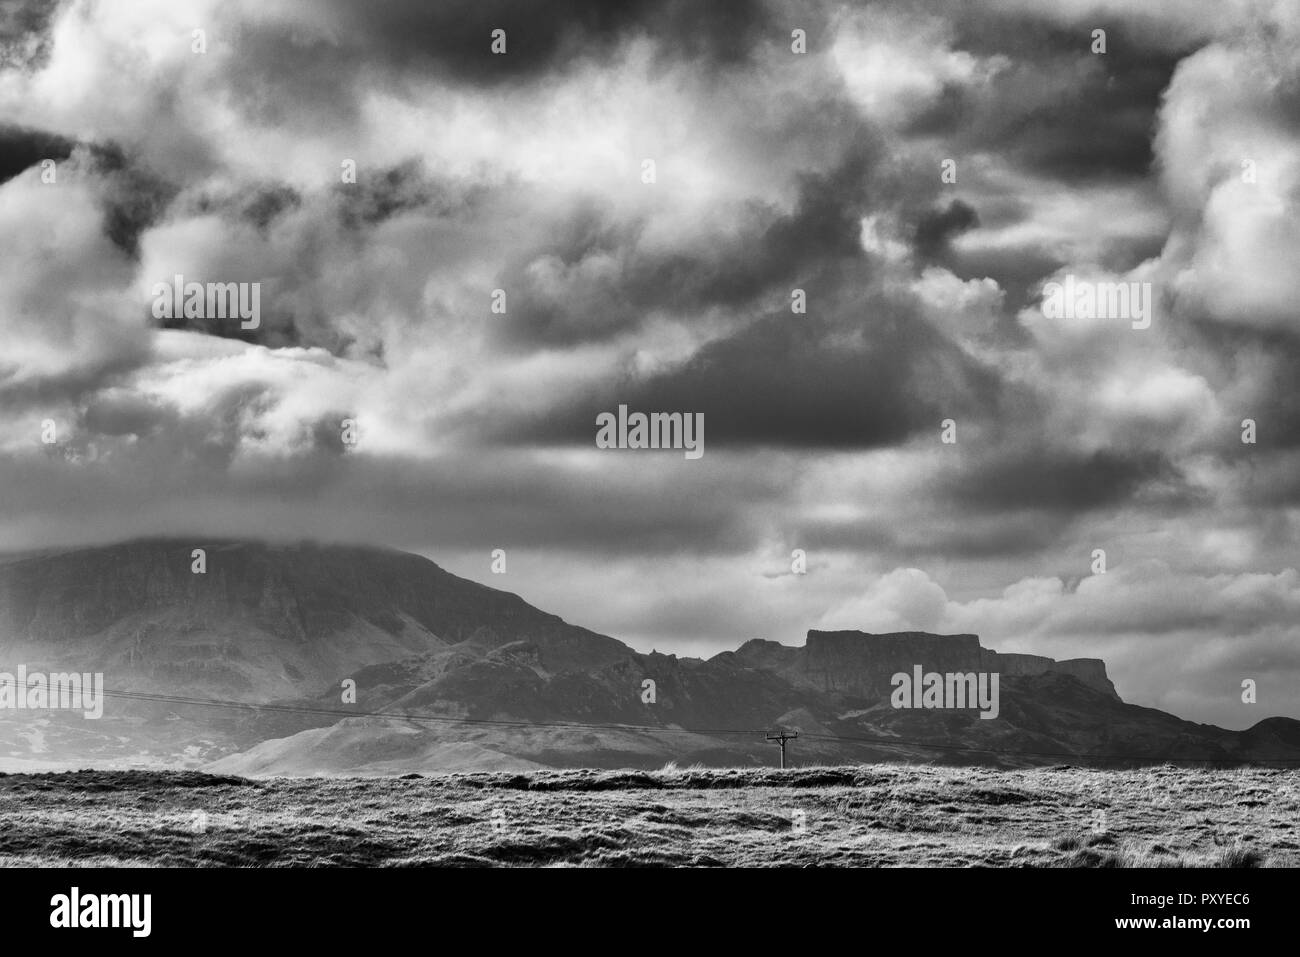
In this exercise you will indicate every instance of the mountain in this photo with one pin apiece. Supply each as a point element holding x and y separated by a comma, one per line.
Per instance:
<point>262,621</point>
<point>497,683</point>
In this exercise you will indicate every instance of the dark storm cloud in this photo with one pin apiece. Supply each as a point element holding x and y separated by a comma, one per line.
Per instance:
<point>937,227</point>
<point>285,74</point>
<point>1018,270</point>
<point>859,371</point>
<point>311,238</point>
<point>133,198</point>
<point>799,382</point>
<point>268,201</point>
<point>943,114</point>
<point>380,194</point>
<point>1125,253</point>
<point>1267,481</point>
<point>1058,481</point>
<point>543,36</point>
<point>1097,125</point>
<point>145,441</point>
<point>1273,355</point>
<point>1101,129</point>
<point>21,149</point>
<point>771,251</point>
<point>1010,534</point>
<point>481,501</point>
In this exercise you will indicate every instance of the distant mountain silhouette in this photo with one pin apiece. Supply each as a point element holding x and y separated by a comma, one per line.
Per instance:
<point>288,624</point>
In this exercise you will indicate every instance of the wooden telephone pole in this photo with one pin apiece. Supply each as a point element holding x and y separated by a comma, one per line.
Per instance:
<point>781,737</point>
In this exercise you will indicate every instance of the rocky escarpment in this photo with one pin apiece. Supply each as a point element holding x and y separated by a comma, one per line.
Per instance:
<point>859,664</point>
<point>1091,671</point>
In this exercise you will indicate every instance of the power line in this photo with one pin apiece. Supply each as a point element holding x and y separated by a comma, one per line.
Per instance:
<point>889,742</point>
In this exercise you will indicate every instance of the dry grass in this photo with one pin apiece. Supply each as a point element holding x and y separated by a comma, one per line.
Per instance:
<point>879,815</point>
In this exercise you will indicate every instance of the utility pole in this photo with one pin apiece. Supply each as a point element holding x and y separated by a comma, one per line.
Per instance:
<point>781,737</point>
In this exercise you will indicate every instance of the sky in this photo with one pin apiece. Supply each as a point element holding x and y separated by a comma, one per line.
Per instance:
<point>948,453</point>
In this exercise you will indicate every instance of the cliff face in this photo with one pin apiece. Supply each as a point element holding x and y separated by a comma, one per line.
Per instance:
<point>859,664</point>
<point>1091,671</point>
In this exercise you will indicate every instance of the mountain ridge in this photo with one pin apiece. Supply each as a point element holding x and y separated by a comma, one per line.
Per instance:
<point>496,679</point>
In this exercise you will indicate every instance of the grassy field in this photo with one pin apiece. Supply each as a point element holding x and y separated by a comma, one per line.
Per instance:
<point>880,815</point>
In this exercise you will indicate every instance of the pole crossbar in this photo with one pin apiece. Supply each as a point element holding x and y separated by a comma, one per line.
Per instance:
<point>781,737</point>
